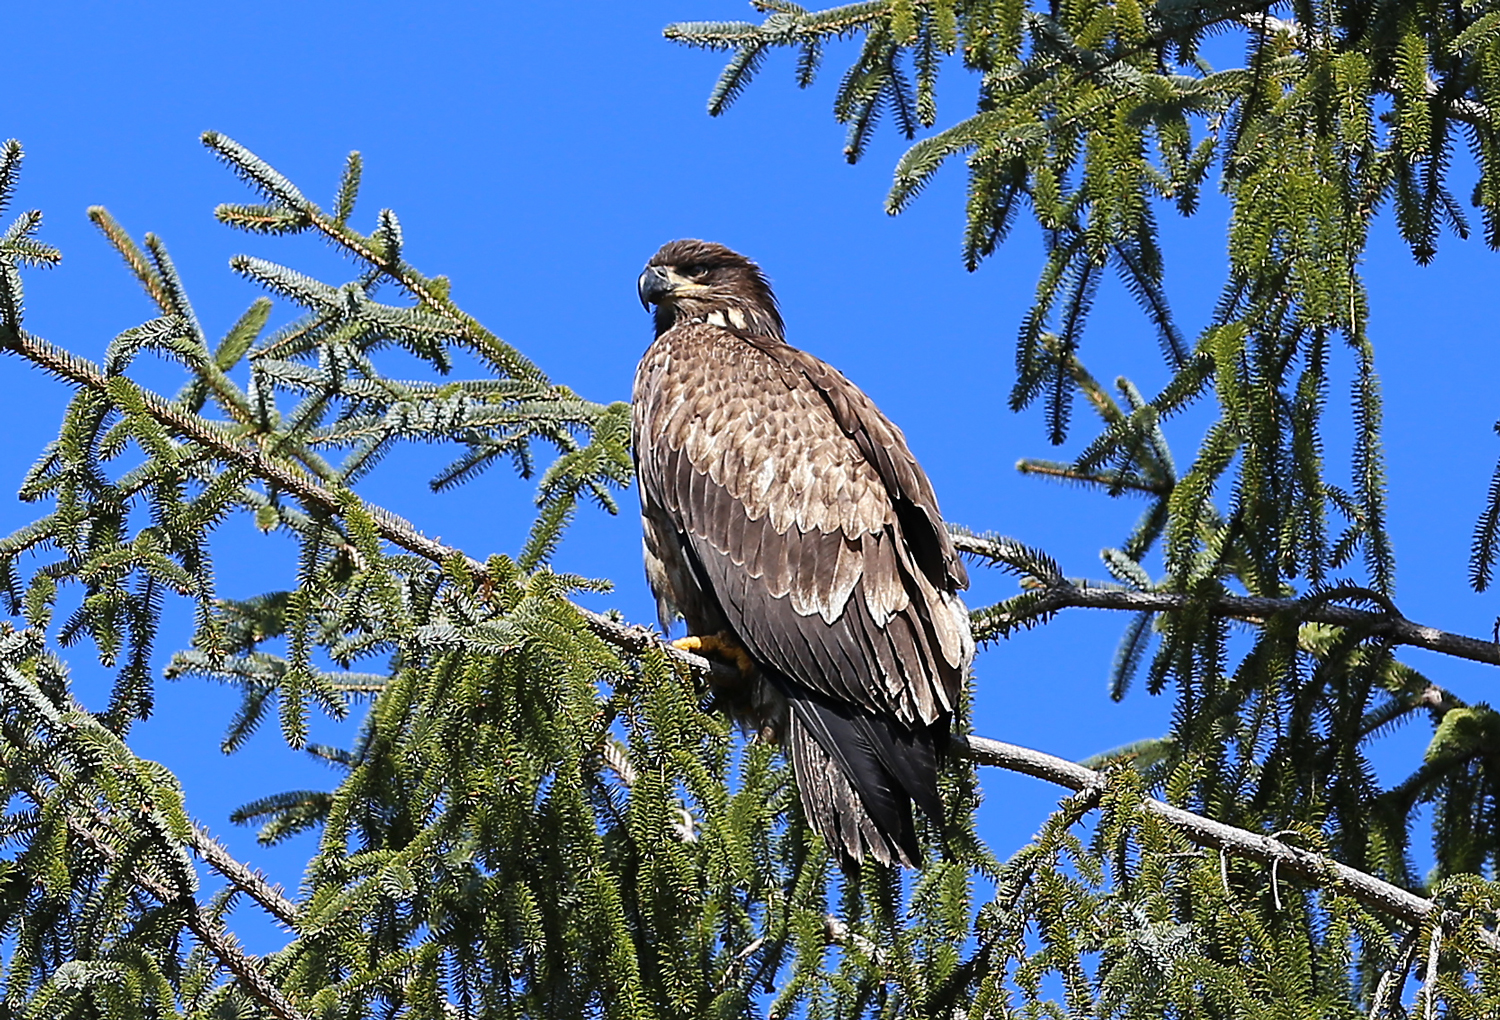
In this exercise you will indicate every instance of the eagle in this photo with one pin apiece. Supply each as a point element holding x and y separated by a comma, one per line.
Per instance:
<point>788,524</point>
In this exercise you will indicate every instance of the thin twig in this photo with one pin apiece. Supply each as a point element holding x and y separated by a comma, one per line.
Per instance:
<point>1252,609</point>
<point>1110,480</point>
<point>1369,890</point>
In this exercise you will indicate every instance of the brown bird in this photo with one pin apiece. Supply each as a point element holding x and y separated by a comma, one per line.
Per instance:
<point>788,524</point>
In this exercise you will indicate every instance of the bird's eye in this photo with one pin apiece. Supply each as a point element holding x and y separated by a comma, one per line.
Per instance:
<point>694,272</point>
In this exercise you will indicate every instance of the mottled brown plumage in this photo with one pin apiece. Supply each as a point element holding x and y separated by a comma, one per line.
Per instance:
<point>782,508</point>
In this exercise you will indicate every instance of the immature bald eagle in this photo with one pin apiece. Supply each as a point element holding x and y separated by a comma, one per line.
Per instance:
<point>784,515</point>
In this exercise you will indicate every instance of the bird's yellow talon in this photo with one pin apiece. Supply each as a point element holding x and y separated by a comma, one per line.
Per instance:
<point>718,644</point>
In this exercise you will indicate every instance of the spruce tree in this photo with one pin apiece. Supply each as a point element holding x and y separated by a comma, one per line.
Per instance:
<point>543,815</point>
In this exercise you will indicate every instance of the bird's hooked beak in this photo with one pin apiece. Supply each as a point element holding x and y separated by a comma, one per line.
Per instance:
<point>652,286</point>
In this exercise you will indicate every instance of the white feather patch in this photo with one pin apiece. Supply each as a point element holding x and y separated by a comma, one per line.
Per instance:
<point>846,574</point>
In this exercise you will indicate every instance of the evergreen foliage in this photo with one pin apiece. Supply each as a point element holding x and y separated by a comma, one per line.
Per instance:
<point>534,822</point>
<point>543,816</point>
<point>1097,117</point>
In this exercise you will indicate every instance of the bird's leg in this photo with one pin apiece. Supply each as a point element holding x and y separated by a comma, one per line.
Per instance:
<point>721,644</point>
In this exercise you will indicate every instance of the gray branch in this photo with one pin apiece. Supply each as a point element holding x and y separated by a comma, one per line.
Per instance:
<point>244,878</point>
<point>1391,626</point>
<point>1369,890</point>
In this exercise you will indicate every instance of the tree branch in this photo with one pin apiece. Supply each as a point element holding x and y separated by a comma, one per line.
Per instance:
<point>1470,111</point>
<point>242,877</point>
<point>207,928</point>
<point>1369,890</point>
<point>1391,626</point>
<point>232,955</point>
<point>284,476</point>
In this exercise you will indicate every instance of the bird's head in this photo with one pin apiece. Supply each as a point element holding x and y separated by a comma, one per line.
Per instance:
<point>699,281</point>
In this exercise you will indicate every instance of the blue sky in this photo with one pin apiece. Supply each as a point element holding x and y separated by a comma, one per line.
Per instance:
<point>538,154</point>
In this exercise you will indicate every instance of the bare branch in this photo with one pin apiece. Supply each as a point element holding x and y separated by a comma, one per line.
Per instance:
<point>1393,627</point>
<point>1368,889</point>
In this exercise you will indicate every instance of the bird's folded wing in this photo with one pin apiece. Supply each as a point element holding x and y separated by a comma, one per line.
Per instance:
<point>810,523</point>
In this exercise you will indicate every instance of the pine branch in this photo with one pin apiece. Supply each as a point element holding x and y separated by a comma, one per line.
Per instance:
<point>1268,25</point>
<point>1390,625</point>
<point>226,947</point>
<point>208,929</point>
<point>1103,479</point>
<point>430,293</point>
<point>1206,832</point>
<point>250,882</point>
<point>392,528</point>
<point>1469,111</point>
<point>636,639</point>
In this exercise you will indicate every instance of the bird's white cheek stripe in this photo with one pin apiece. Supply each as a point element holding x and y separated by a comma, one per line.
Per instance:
<point>735,318</point>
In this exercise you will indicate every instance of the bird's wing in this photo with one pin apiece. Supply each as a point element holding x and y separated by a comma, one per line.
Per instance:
<point>806,518</point>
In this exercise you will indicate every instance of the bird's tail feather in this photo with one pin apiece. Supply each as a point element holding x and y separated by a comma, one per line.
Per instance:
<point>858,776</point>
